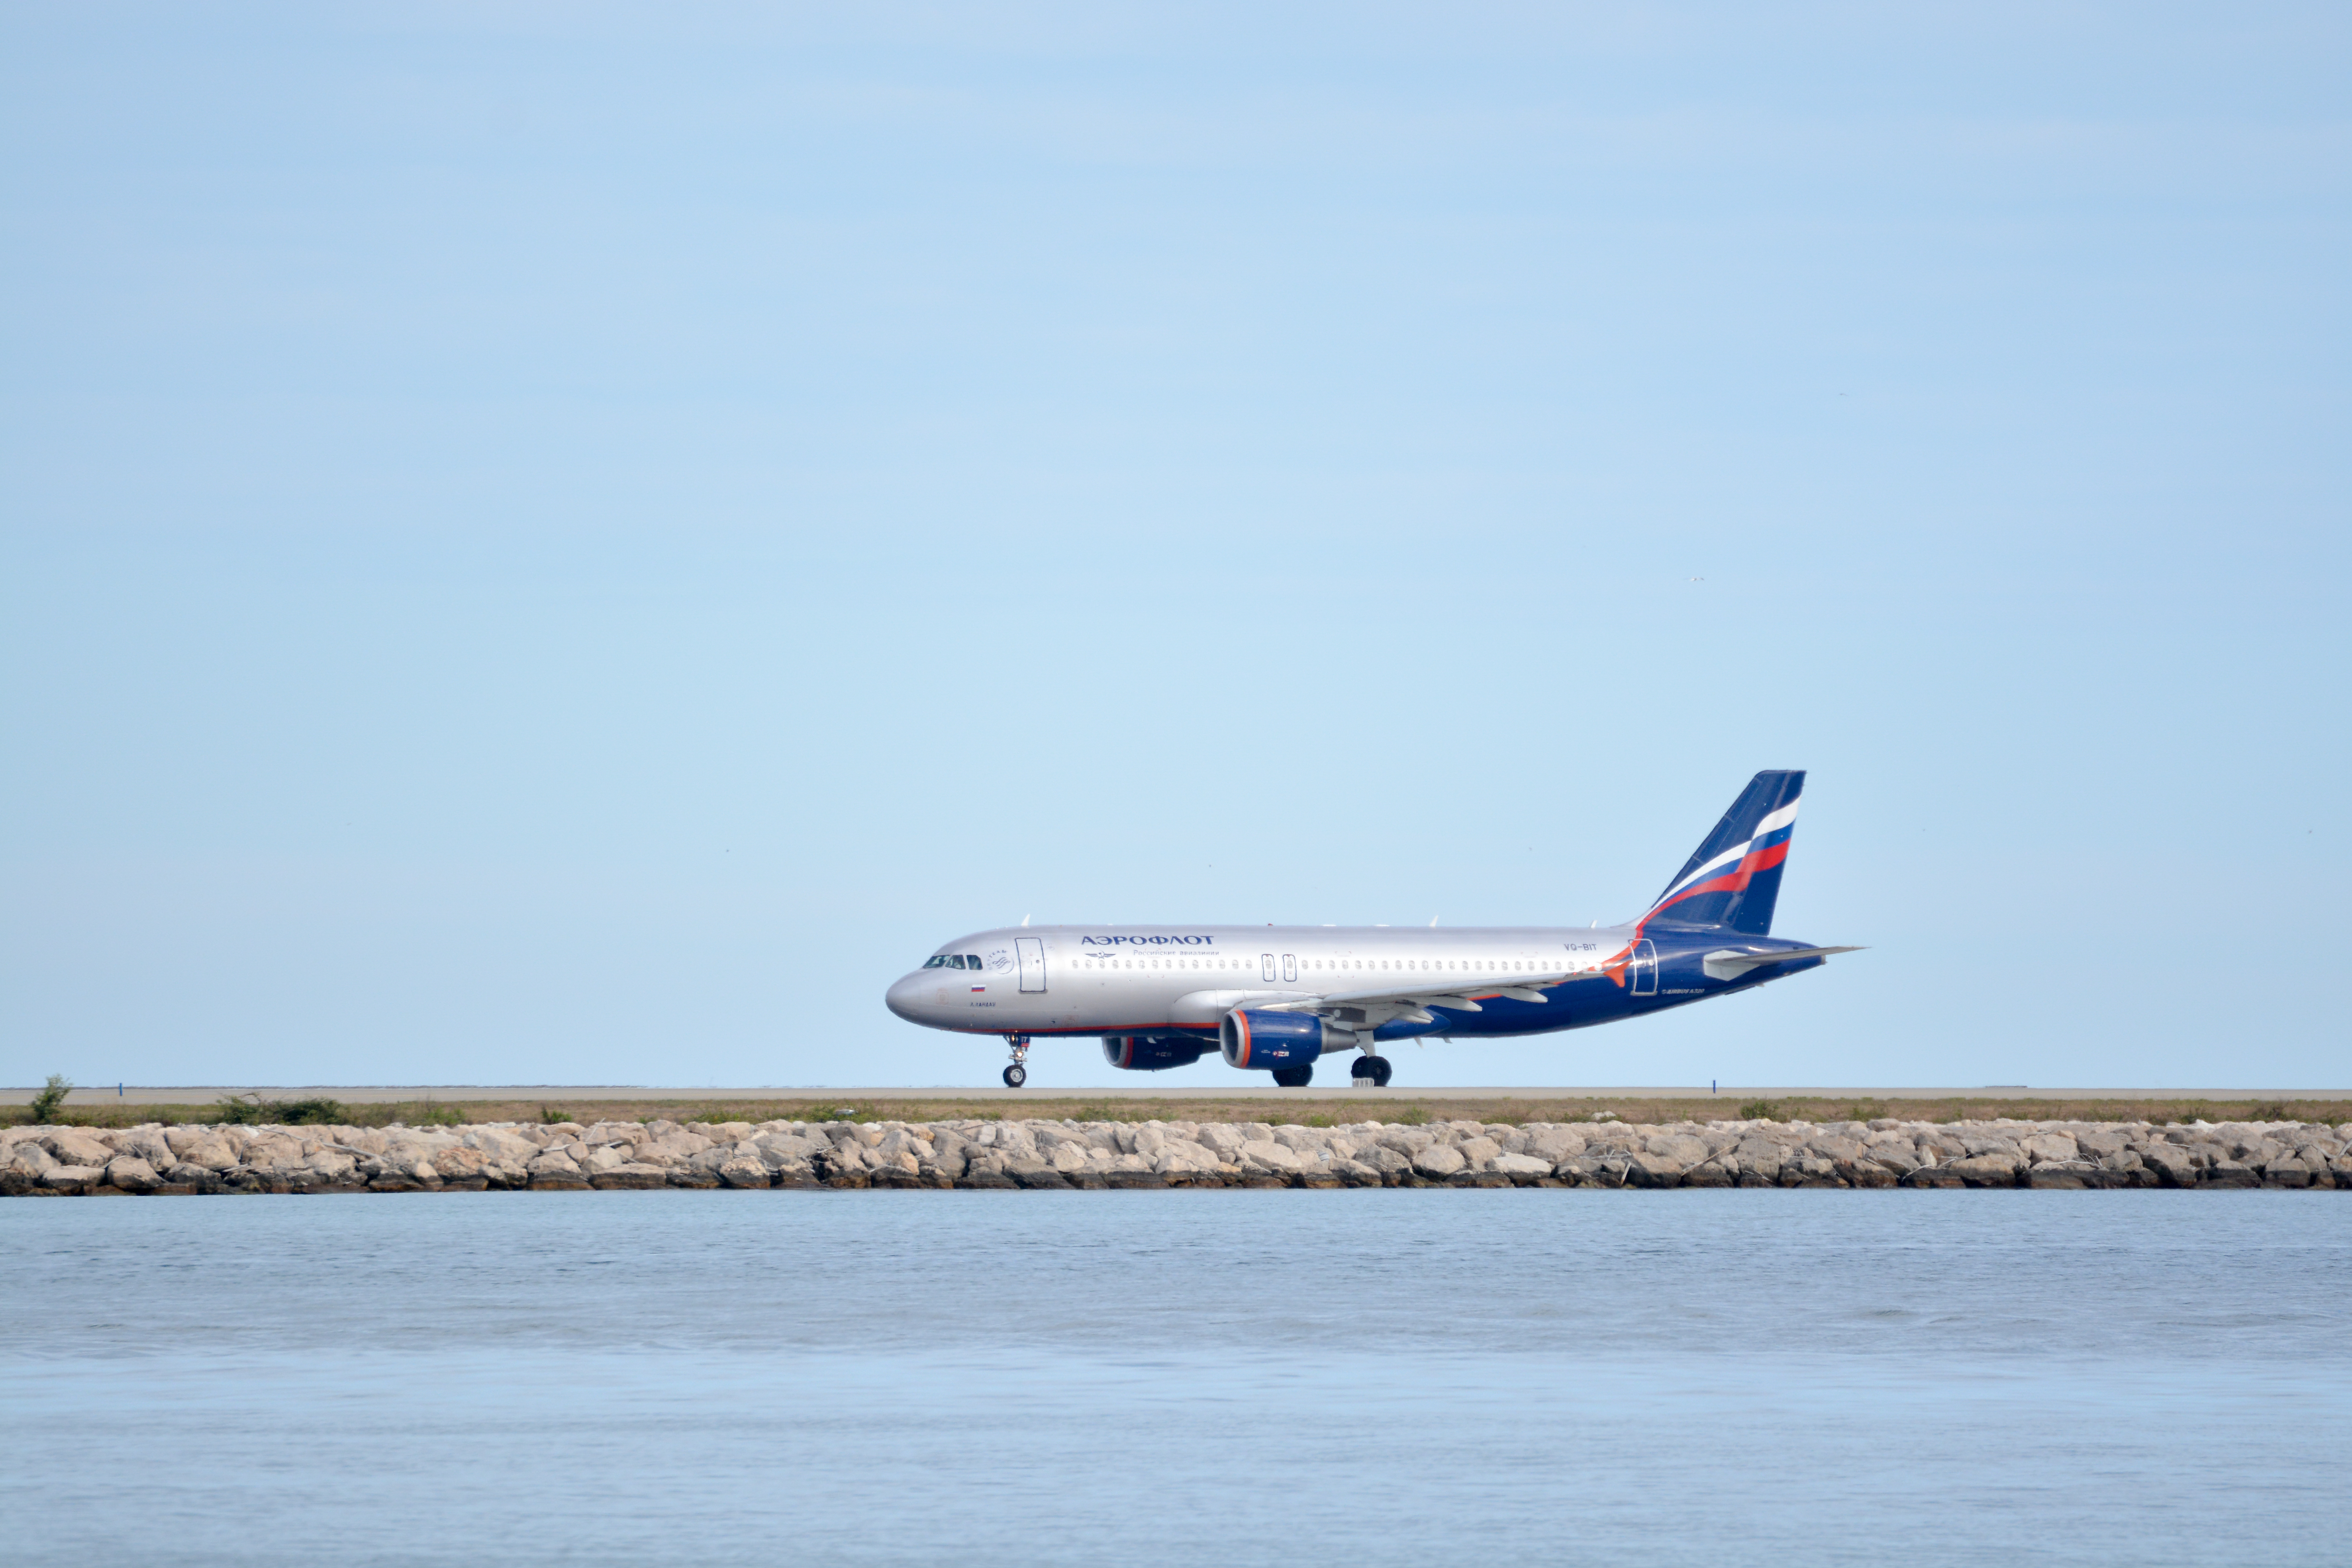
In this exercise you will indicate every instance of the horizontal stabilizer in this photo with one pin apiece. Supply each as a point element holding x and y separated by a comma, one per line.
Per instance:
<point>1730,963</point>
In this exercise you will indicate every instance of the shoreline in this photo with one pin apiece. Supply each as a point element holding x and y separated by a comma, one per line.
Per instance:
<point>320,1156</point>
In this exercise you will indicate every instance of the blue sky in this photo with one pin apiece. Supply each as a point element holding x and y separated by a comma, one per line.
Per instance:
<point>558,543</point>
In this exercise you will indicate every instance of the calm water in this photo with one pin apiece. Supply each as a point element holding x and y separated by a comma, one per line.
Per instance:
<point>1217,1378</point>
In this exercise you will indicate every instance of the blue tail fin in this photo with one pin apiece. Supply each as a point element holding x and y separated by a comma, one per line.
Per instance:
<point>1733,880</point>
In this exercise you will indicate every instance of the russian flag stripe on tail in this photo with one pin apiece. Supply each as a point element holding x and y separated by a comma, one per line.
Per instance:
<point>1733,879</point>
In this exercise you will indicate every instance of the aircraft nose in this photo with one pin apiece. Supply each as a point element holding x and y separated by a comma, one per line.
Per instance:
<point>901,999</point>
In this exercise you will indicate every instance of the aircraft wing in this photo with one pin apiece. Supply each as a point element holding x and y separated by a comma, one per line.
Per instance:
<point>1368,1010</point>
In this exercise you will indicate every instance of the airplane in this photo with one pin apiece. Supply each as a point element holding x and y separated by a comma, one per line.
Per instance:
<point>1278,999</point>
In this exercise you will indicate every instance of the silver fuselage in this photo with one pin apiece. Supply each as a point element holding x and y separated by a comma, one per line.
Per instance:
<point>1109,980</point>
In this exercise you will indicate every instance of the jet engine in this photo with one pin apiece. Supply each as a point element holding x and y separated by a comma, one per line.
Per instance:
<point>1152,1053</point>
<point>1259,1039</point>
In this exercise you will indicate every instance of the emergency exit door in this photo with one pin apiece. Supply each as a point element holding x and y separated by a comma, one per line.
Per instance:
<point>1645,969</point>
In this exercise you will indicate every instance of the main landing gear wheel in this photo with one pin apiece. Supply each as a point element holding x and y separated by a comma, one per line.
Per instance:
<point>1018,1073</point>
<point>1295,1078</point>
<point>1374,1069</point>
<point>1016,1076</point>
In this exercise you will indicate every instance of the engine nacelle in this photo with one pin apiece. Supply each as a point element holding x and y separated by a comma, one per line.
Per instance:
<point>1152,1053</point>
<point>1256,1039</point>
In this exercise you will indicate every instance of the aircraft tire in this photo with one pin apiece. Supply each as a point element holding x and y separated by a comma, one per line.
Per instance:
<point>1373,1067</point>
<point>1295,1078</point>
<point>1016,1076</point>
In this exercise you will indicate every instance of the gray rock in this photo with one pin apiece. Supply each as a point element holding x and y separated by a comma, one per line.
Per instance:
<point>775,1147</point>
<point>1222,1140</point>
<point>460,1164</point>
<point>1652,1168</point>
<point>2171,1162</point>
<point>1180,1156</point>
<point>553,1163</point>
<point>1992,1169</point>
<point>1679,1150</point>
<point>147,1143</point>
<point>745,1171</point>
<point>1479,1152</point>
<point>1810,1170</point>
<point>328,1166</point>
<point>1439,1161</point>
<point>133,1174</point>
<point>1554,1143</point>
<point>73,1178</point>
<point>632,1174</point>
<point>1035,1174</point>
<point>71,1146</point>
<point>1517,1165</point>
<point>2054,1148</point>
<point>1267,1157</point>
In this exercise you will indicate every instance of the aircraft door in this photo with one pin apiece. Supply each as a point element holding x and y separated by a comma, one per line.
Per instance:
<point>1290,966</point>
<point>1031,952</point>
<point>1645,969</point>
<point>1266,965</point>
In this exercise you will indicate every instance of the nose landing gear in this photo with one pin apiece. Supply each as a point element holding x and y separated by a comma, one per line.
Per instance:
<point>1018,1073</point>
<point>1371,1070</point>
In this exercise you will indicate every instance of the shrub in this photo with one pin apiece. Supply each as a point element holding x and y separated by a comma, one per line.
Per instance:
<point>51,1096</point>
<point>253,1111</point>
<point>549,1115</point>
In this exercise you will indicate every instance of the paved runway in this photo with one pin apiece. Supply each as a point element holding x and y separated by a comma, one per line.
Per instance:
<point>377,1094</point>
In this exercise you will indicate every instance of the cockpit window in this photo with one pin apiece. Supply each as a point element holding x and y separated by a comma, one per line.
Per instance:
<point>972,960</point>
<point>940,961</point>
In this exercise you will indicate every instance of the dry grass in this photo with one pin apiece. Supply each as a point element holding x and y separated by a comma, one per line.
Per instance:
<point>1304,1107</point>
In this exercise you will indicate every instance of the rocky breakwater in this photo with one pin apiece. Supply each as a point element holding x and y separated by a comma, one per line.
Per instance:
<point>1886,1153</point>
